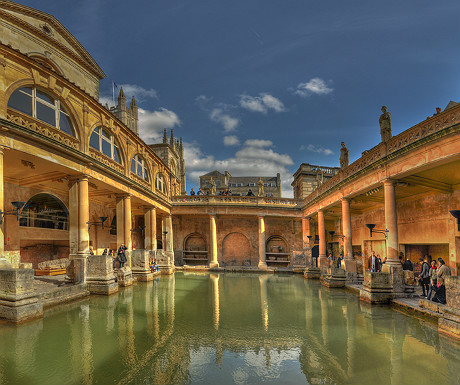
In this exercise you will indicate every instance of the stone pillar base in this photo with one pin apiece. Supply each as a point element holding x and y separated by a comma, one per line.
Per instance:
<point>166,269</point>
<point>376,288</point>
<point>450,323</point>
<point>334,277</point>
<point>323,264</point>
<point>396,278</point>
<point>125,277</point>
<point>18,301</point>
<point>103,288</point>
<point>142,276</point>
<point>351,269</point>
<point>312,273</point>
<point>100,277</point>
<point>262,266</point>
<point>409,281</point>
<point>213,265</point>
<point>76,271</point>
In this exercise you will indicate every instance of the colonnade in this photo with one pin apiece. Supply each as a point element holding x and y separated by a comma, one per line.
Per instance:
<point>391,228</point>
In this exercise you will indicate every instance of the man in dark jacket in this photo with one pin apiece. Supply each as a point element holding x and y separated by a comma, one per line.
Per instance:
<point>121,255</point>
<point>440,295</point>
<point>424,276</point>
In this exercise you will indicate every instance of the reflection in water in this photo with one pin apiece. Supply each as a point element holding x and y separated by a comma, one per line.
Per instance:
<point>227,329</point>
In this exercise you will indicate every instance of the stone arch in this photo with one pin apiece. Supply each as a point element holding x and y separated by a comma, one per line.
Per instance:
<point>195,242</point>
<point>277,244</point>
<point>236,250</point>
<point>46,62</point>
<point>45,210</point>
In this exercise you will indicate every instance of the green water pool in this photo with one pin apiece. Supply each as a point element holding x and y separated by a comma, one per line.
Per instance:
<point>193,328</point>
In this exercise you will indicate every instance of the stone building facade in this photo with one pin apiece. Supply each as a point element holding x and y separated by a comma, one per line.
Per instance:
<point>309,177</point>
<point>240,185</point>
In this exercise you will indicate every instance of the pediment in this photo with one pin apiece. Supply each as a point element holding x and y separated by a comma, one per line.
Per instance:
<point>48,29</point>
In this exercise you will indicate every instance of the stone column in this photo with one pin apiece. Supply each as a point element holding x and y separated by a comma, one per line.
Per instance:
<point>166,257</point>
<point>391,223</point>
<point>262,262</point>
<point>150,219</point>
<point>2,207</point>
<point>83,216</point>
<point>323,262</point>
<point>127,222</point>
<point>348,263</point>
<point>305,232</point>
<point>213,241</point>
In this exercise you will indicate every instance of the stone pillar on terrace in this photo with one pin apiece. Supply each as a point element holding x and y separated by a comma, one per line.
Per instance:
<point>348,264</point>
<point>323,262</point>
<point>2,208</point>
<point>78,229</point>
<point>124,237</point>
<point>392,265</point>
<point>213,241</point>
<point>100,277</point>
<point>262,262</point>
<point>150,220</point>
<point>166,257</point>
<point>140,259</point>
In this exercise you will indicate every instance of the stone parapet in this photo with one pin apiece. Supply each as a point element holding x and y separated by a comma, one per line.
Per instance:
<point>100,277</point>
<point>449,324</point>
<point>377,288</point>
<point>351,269</point>
<point>165,260</point>
<point>125,277</point>
<point>141,264</point>
<point>18,301</point>
<point>334,277</point>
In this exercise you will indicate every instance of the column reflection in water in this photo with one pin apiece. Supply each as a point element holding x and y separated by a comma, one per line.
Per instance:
<point>215,299</point>
<point>264,300</point>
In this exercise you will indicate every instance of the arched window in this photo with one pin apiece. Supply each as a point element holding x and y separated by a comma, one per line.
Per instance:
<point>102,140</point>
<point>160,183</point>
<point>45,211</point>
<point>40,105</point>
<point>138,167</point>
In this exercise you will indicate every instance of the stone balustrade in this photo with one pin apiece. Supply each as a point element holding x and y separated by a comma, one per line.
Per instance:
<point>405,139</point>
<point>211,200</point>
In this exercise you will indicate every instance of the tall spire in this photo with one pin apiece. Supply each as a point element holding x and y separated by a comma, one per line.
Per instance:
<point>121,94</point>
<point>181,147</point>
<point>171,141</point>
<point>165,137</point>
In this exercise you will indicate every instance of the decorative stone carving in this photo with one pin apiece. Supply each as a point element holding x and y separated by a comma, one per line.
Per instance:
<point>385,125</point>
<point>260,188</point>
<point>212,187</point>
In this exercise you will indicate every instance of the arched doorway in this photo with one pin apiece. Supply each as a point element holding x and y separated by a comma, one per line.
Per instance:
<point>236,250</point>
<point>195,250</point>
<point>45,211</point>
<point>277,251</point>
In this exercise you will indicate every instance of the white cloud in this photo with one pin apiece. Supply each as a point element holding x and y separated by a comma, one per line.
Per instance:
<point>314,86</point>
<point>231,140</point>
<point>258,143</point>
<point>152,123</point>
<point>217,115</point>
<point>140,93</point>
<point>262,103</point>
<point>318,149</point>
<point>254,159</point>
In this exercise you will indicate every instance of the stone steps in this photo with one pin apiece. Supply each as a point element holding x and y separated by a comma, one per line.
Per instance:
<point>62,294</point>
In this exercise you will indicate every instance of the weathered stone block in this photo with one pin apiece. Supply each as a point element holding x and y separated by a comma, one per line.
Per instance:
<point>125,276</point>
<point>18,301</point>
<point>101,279</point>
<point>141,265</point>
<point>452,284</point>
<point>334,277</point>
<point>312,273</point>
<point>376,288</point>
<point>409,281</point>
<point>76,270</point>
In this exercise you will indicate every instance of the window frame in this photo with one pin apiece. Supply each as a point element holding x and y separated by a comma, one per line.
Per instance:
<point>139,161</point>
<point>57,106</point>
<point>111,141</point>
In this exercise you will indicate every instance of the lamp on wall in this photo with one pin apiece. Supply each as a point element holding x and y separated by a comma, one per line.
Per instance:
<point>455,214</point>
<point>371,226</point>
<point>333,234</point>
<point>141,229</point>
<point>17,208</point>
<point>102,219</point>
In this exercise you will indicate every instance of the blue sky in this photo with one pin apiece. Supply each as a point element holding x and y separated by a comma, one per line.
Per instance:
<point>257,87</point>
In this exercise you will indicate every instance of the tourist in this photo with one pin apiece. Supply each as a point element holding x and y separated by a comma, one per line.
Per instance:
<point>424,276</point>
<point>91,251</point>
<point>104,252</point>
<point>250,193</point>
<point>379,263</point>
<point>374,263</point>
<point>438,111</point>
<point>200,192</point>
<point>152,266</point>
<point>331,260</point>
<point>407,265</point>
<point>443,270</point>
<point>433,279</point>
<point>339,261</point>
<point>121,256</point>
<point>440,295</point>
<point>192,192</point>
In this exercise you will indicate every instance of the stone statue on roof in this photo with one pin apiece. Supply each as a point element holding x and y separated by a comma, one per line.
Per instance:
<point>212,187</point>
<point>343,156</point>
<point>260,188</point>
<point>385,125</point>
